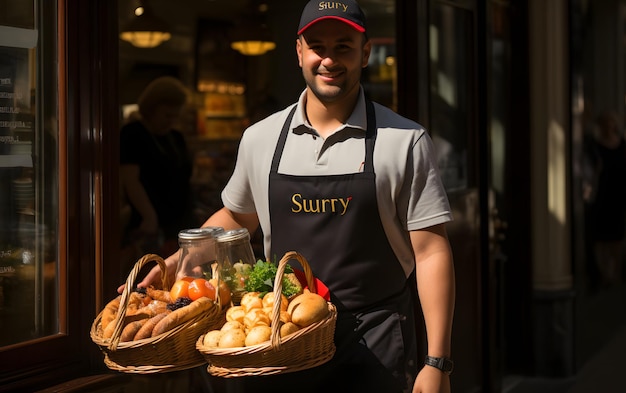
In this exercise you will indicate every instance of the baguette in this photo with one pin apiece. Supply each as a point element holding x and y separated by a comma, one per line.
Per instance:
<point>128,319</point>
<point>148,327</point>
<point>130,330</point>
<point>133,313</point>
<point>182,315</point>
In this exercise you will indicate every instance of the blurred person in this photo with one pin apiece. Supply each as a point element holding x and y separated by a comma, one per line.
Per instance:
<point>608,206</point>
<point>155,172</point>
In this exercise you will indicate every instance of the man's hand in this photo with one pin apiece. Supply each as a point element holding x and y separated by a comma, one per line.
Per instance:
<point>154,275</point>
<point>431,380</point>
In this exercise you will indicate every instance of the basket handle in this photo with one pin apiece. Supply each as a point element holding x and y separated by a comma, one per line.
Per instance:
<point>278,288</point>
<point>128,288</point>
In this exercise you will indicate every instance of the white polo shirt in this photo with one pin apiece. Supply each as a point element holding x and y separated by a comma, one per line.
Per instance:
<point>410,193</point>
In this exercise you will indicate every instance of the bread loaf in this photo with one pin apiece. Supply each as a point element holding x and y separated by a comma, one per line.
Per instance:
<point>148,327</point>
<point>182,315</point>
<point>108,314</point>
<point>159,294</point>
<point>131,329</point>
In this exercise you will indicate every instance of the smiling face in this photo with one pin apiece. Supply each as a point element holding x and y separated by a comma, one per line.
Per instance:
<point>332,55</point>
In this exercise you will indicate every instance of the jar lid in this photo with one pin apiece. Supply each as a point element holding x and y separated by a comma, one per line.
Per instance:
<point>232,235</point>
<point>200,233</point>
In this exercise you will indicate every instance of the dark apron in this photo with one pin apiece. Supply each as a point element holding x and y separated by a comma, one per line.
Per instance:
<point>333,221</point>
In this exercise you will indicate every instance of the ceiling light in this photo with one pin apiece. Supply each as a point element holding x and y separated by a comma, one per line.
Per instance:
<point>252,37</point>
<point>251,47</point>
<point>146,30</point>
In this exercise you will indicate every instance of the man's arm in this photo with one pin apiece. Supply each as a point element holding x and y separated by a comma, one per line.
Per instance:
<point>228,219</point>
<point>436,289</point>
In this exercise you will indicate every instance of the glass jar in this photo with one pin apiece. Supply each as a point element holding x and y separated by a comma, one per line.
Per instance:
<point>197,253</point>
<point>235,258</point>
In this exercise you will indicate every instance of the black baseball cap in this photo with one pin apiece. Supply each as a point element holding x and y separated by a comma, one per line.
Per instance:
<point>347,11</point>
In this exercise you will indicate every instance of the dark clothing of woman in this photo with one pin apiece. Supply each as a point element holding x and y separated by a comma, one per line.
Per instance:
<point>165,171</point>
<point>608,212</point>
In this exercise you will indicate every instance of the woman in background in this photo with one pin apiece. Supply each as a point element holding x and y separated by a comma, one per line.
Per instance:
<point>608,210</point>
<point>155,172</point>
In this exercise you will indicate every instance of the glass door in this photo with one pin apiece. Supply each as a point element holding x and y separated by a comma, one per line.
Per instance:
<point>53,88</point>
<point>459,136</point>
<point>29,175</point>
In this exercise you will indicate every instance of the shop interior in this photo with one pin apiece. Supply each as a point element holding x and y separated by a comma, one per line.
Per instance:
<point>230,88</point>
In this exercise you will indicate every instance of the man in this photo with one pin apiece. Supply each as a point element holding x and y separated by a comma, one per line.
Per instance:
<point>354,188</point>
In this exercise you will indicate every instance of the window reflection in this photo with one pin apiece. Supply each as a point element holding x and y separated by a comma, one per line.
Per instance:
<point>451,111</point>
<point>28,170</point>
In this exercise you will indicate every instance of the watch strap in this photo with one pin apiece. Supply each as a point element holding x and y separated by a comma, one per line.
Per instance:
<point>444,364</point>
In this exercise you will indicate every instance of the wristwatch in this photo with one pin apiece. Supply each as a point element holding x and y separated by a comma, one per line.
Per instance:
<point>444,364</point>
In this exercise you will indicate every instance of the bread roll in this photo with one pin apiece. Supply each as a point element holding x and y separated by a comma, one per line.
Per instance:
<point>288,328</point>
<point>268,301</point>
<point>230,325</point>
<point>307,309</point>
<point>235,313</point>
<point>257,335</point>
<point>251,300</point>
<point>255,317</point>
<point>155,307</point>
<point>232,338</point>
<point>212,338</point>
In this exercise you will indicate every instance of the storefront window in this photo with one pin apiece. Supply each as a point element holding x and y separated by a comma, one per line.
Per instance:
<point>380,77</point>
<point>28,172</point>
<point>451,117</point>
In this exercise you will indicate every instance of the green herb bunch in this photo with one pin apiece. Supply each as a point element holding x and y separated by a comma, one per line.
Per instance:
<point>261,279</point>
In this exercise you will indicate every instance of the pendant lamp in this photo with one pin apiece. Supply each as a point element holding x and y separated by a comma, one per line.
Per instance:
<point>146,30</point>
<point>251,36</point>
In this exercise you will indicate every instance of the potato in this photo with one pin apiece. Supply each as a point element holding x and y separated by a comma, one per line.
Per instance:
<point>251,300</point>
<point>258,334</point>
<point>255,317</point>
<point>212,338</point>
<point>232,338</point>
<point>235,313</point>
<point>307,309</point>
<point>230,325</point>
<point>288,328</point>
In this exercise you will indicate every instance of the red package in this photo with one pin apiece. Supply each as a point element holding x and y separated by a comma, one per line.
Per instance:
<point>320,288</point>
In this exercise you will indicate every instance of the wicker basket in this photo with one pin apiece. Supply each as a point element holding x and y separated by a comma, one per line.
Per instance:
<point>306,348</point>
<point>173,350</point>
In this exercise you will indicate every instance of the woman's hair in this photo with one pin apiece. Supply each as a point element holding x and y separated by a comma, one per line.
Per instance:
<point>165,90</point>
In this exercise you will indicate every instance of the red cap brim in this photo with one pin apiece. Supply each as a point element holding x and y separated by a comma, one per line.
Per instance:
<point>355,26</point>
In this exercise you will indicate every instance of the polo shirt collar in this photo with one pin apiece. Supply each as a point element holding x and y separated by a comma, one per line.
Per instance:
<point>357,120</point>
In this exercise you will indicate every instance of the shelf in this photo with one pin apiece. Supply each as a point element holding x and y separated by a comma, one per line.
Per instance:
<point>16,160</point>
